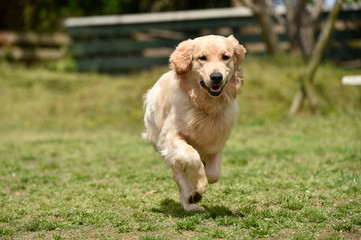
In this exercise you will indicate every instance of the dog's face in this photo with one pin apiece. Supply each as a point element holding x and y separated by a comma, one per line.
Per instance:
<point>210,61</point>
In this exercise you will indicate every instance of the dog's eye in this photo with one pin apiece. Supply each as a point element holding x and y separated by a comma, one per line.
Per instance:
<point>225,57</point>
<point>203,58</point>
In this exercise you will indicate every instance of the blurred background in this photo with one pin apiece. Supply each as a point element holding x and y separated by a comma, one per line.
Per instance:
<point>46,44</point>
<point>128,34</point>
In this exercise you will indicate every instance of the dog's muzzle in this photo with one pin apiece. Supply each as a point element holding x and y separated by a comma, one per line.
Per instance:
<point>216,80</point>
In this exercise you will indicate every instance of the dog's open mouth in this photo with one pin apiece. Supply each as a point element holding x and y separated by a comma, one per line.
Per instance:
<point>215,91</point>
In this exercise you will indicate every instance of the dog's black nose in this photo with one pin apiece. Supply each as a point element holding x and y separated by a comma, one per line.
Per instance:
<point>216,77</point>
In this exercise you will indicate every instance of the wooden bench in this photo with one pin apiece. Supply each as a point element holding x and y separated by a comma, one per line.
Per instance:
<point>32,47</point>
<point>351,80</point>
<point>122,42</point>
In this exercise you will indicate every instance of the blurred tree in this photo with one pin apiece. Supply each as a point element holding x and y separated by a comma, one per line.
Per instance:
<point>301,18</point>
<point>48,15</point>
<point>307,74</point>
<point>262,12</point>
<point>300,22</point>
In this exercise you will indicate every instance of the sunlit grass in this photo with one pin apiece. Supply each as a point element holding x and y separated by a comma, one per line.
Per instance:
<point>73,165</point>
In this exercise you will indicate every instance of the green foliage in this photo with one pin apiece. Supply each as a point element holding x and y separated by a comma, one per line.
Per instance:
<point>6,232</point>
<point>313,214</point>
<point>65,64</point>
<point>73,165</point>
<point>37,223</point>
<point>344,226</point>
<point>188,224</point>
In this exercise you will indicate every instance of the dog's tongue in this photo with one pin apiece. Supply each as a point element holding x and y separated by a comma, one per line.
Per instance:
<point>216,89</point>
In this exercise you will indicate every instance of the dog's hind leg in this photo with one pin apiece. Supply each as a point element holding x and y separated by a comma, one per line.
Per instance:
<point>188,196</point>
<point>213,167</point>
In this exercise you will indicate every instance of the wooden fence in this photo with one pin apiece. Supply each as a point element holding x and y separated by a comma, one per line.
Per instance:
<point>120,42</point>
<point>32,47</point>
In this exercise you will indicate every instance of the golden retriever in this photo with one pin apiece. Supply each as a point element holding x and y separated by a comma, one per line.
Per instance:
<point>190,111</point>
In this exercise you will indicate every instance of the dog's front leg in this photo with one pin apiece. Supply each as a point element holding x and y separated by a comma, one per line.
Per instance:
<point>188,196</point>
<point>180,155</point>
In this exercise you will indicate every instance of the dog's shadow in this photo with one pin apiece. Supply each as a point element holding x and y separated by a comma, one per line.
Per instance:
<point>172,208</point>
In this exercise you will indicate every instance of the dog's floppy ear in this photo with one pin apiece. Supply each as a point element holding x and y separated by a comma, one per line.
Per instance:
<point>181,58</point>
<point>239,50</point>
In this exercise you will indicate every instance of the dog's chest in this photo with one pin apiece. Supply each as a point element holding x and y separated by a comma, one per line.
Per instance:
<point>209,132</point>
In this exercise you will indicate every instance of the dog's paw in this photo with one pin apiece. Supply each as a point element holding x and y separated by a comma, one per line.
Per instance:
<point>196,197</point>
<point>192,207</point>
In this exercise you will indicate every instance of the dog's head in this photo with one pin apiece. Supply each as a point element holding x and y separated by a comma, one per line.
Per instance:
<point>211,62</point>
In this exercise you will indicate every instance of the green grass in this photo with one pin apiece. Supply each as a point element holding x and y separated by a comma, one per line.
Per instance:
<point>73,165</point>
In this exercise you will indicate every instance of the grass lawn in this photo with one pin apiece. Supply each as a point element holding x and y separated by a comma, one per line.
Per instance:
<point>73,165</point>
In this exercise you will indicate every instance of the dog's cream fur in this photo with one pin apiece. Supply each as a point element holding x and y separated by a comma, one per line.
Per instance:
<point>185,123</point>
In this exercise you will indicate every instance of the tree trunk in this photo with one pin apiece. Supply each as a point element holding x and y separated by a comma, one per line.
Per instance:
<point>263,15</point>
<point>300,25</point>
<point>297,103</point>
<point>307,75</point>
<point>269,35</point>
